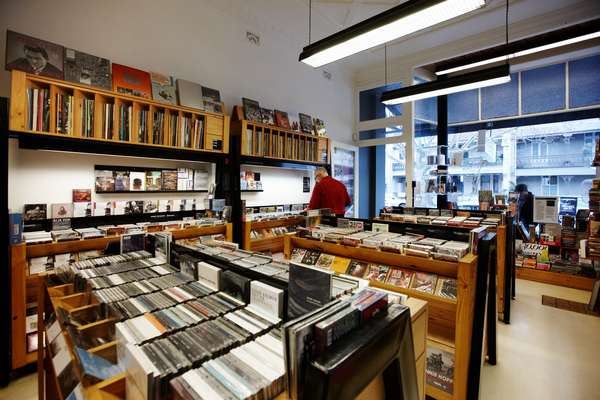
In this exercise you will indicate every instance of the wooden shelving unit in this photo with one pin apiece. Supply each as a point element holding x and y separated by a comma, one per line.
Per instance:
<point>556,278</point>
<point>216,126</point>
<point>24,287</point>
<point>450,322</point>
<point>264,141</point>
<point>274,243</point>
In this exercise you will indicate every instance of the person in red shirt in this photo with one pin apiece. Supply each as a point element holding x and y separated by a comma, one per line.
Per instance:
<point>329,193</point>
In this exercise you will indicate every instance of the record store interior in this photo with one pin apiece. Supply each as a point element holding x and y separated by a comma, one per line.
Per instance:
<point>300,199</point>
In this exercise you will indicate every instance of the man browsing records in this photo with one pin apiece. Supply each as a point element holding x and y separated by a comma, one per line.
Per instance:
<point>329,193</point>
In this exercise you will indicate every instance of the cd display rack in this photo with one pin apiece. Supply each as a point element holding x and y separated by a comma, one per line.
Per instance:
<point>270,142</point>
<point>450,321</point>
<point>272,243</point>
<point>24,287</point>
<point>131,120</point>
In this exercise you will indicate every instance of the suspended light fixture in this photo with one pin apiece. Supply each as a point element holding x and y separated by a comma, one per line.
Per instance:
<point>472,80</point>
<point>547,41</point>
<point>402,20</point>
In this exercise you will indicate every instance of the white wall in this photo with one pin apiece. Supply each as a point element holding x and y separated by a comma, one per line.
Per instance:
<point>195,40</point>
<point>49,177</point>
<point>281,186</point>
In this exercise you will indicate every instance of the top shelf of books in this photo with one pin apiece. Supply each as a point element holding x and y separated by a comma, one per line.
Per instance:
<point>49,106</point>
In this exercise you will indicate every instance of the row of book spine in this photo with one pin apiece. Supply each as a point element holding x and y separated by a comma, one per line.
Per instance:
<point>158,123</point>
<point>64,114</point>
<point>295,148</point>
<point>87,118</point>
<point>125,126</point>
<point>108,118</point>
<point>39,109</point>
<point>143,126</point>
<point>191,133</point>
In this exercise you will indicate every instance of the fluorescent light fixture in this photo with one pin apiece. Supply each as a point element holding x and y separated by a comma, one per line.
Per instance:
<point>402,20</point>
<point>559,38</point>
<point>473,80</point>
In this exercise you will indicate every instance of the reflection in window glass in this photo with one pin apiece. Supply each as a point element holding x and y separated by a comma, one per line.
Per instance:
<point>552,159</point>
<point>371,107</point>
<point>343,171</point>
<point>395,174</point>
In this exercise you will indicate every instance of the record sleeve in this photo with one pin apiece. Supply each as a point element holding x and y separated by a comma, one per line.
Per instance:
<point>446,287</point>
<point>34,212</point>
<point>251,110</point>
<point>309,289</point>
<point>357,268</point>
<point>121,181</point>
<point>282,120</point>
<point>87,69</point>
<point>400,277</point>
<point>306,125</point>
<point>153,180</point>
<point>377,272</point>
<point>105,181</point>
<point>62,210</point>
<point>190,94</point>
<point>163,88</point>
<point>424,282</point>
<point>131,81</point>
<point>137,181</point>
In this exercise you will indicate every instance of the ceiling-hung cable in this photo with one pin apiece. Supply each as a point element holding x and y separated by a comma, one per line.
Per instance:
<point>309,18</point>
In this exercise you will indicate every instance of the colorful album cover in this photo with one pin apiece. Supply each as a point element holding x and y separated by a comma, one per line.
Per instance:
<point>105,181</point>
<point>251,110</point>
<point>150,206</point>
<point>80,195</point>
<point>282,120</point>
<point>319,127</point>
<point>311,257</point>
<point>400,277</point>
<point>357,268</point>
<point>163,88</point>
<point>446,287</point>
<point>169,179</point>
<point>297,255</point>
<point>424,282</point>
<point>267,116</point>
<point>377,272</point>
<point>324,261</point>
<point>87,69</point>
<point>131,81</point>
<point>121,181</point>
<point>153,180</point>
<point>32,55</point>
<point>340,264</point>
<point>439,369</point>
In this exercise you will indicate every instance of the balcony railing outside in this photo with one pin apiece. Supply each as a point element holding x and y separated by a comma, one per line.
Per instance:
<point>555,161</point>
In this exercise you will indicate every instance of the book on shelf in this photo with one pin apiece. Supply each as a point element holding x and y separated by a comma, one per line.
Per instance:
<point>158,124</point>
<point>64,113</point>
<point>125,125</point>
<point>174,126</point>
<point>143,126</point>
<point>39,109</point>
<point>87,118</point>
<point>108,121</point>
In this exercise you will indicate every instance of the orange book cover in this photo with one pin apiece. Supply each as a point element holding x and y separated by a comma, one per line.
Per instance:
<point>131,81</point>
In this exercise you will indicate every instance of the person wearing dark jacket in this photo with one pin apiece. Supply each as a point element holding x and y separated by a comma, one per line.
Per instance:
<point>329,193</point>
<point>525,204</point>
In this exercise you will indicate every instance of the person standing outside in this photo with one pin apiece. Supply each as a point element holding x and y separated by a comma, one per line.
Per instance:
<point>525,204</point>
<point>329,193</point>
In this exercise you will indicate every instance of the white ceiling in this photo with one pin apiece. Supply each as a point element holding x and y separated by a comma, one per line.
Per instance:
<point>288,20</point>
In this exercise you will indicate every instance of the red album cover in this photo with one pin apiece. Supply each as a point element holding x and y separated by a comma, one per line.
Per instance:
<point>131,81</point>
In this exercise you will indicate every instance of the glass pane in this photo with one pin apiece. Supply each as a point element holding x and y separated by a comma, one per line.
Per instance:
<point>371,107</point>
<point>501,100</point>
<point>543,89</point>
<point>584,82</point>
<point>343,171</point>
<point>425,145</point>
<point>395,174</point>
<point>463,106</point>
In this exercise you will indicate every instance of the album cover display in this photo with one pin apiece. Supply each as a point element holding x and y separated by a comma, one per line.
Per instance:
<point>137,181</point>
<point>282,120</point>
<point>80,67</point>
<point>319,127</point>
<point>169,180</point>
<point>80,195</point>
<point>446,287</point>
<point>190,94</point>
<point>311,257</point>
<point>439,368</point>
<point>306,125</point>
<point>309,288</point>
<point>83,209</point>
<point>121,181</point>
<point>357,268</point>
<point>267,116</point>
<point>400,277</point>
<point>251,110</point>
<point>424,282</point>
<point>34,212</point>
<point>211,100</point>
<point>163,88</point>
<point>377,272</point>
<point>32,55</point>
<point>62,210</point>
<point>325,261</point>
<point>131,81</point>
<point>153,180</point>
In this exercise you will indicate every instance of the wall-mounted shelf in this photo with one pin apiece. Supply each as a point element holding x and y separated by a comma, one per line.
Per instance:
<point>158,191</point>
<point>251,190</point>
<point>162,139</point>
<point>262,141</point>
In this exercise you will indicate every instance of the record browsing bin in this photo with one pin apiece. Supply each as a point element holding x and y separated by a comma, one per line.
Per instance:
<point>78,111</point>
<point>450,322</point>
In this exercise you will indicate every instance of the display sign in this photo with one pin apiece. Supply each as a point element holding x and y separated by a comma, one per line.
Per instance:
<point>306,184</point>
<point>545,210</point>
<point>568,206</point>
